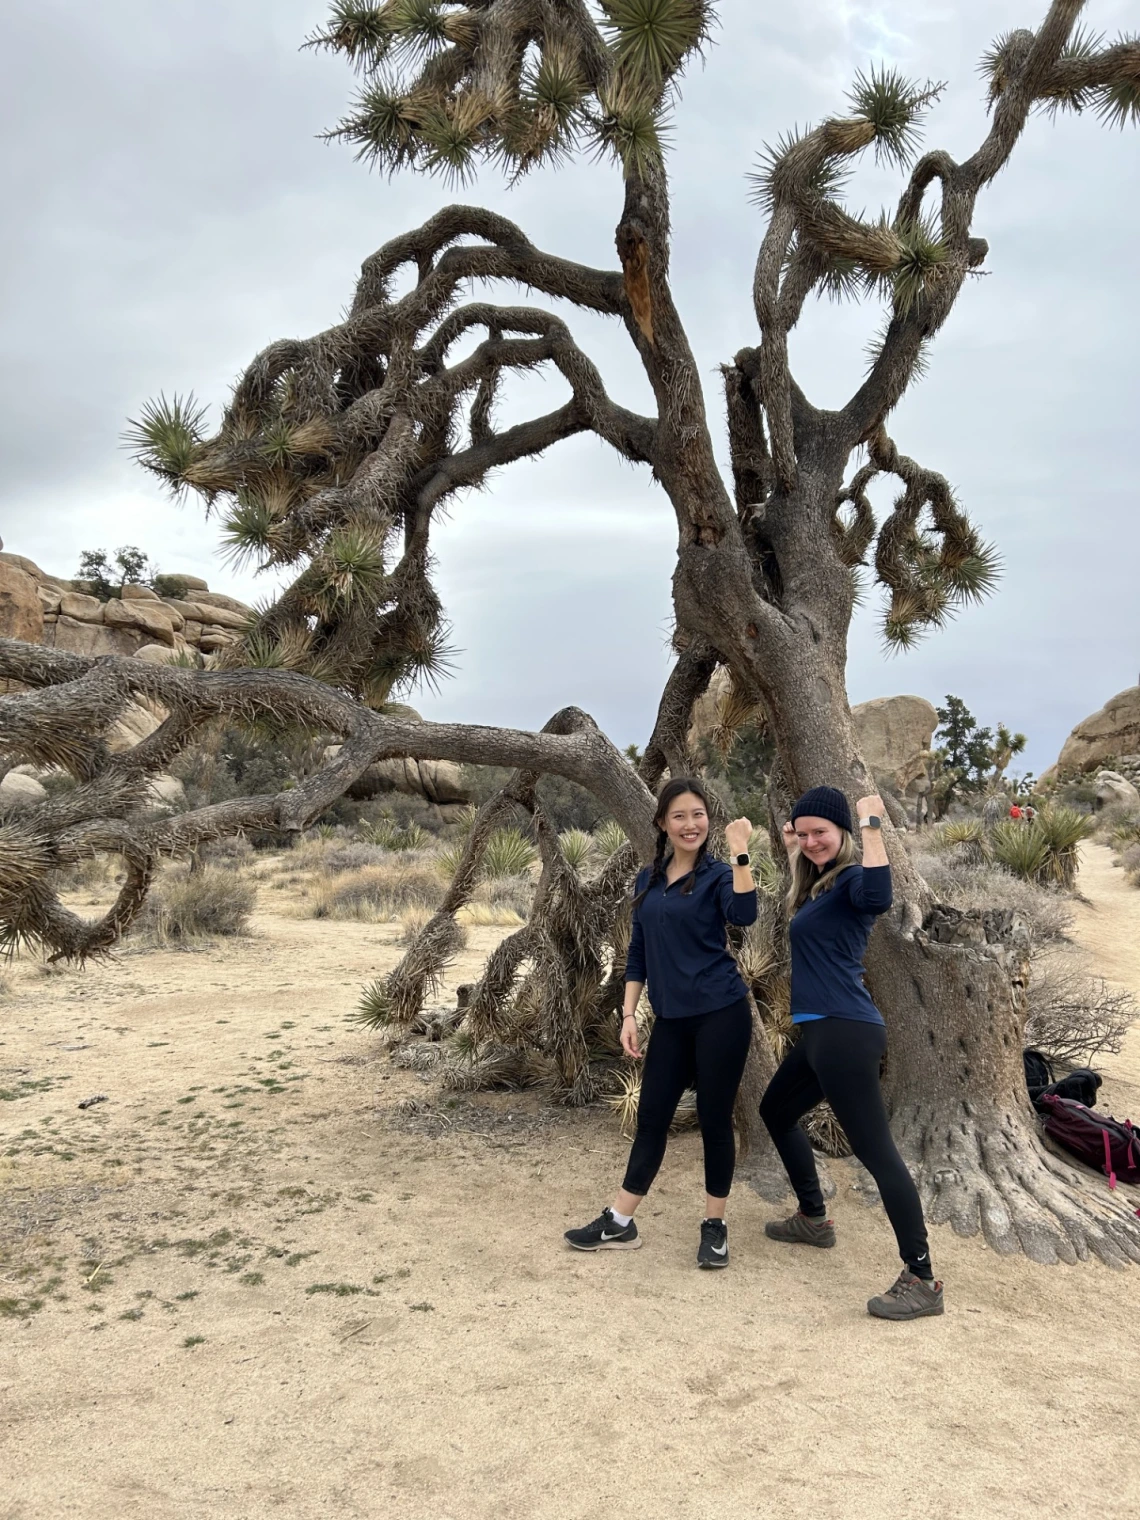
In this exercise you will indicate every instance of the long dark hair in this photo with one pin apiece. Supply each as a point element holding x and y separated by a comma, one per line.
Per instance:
<point>665,798</point>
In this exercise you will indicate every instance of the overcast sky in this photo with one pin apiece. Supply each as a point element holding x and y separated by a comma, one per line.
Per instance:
<point>170,210</point>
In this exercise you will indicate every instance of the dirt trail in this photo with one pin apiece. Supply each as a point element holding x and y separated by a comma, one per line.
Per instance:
<point>272,1275</point>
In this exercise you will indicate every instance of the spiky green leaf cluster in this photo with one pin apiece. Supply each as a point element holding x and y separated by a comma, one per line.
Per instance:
<point>896,108</point>
<point>449,86</point>
<point>935,587</point>
<point>164,438</point>
<point>651,38</point>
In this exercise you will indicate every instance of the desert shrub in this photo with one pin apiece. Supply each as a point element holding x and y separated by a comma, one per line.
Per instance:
<point>489,915</point>
<point>1074,1017</point>
<point>1020,849</point>
<point>609,839</point>
<point>413,920</point>
<point>965,884</point>
<point>390,835</point>
<point>86,875</point>
<point>1062,829</point>
<point>515,892</point>
<point>1079,793</point>
<point>352,856</point>
<point>1122,828</point>
<point>508,853</point>
<point>189,905</point>
<point>378,892</point>
<point>1130,860</point>
<point>447,860</point>
<point>228,854</point>
<point>578,848</point>
<point>171,586</point>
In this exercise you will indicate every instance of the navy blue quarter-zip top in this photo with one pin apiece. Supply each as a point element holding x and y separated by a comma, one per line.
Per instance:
<point>828,938</point>
<point>679,947</point>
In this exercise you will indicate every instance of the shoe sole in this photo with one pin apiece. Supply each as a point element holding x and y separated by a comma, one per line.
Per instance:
<point>713,1266</point>
<point>608,1245</point>
<point>934,1309</point>
<point>799,1240</point>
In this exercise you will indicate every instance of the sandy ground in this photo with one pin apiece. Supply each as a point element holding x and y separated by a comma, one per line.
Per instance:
<point>248,1284</point>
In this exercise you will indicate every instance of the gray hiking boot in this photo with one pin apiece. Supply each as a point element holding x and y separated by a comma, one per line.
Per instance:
<point>800,1230</point>
<point>910,1297</point>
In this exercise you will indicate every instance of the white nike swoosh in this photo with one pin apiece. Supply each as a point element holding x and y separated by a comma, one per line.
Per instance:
<point>617,1236</point>
<point>719,1250</point>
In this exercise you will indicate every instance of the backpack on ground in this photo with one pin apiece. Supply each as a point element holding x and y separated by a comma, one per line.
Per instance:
<point>1111,1146</point>
<point>1038,1072</point>
<point>1081,1084</point>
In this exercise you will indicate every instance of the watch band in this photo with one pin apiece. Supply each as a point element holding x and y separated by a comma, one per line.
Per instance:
<point>872,821</point>
<point>742,860</point>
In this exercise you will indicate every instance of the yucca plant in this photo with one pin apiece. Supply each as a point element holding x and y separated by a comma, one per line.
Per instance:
<point>508,853</point>
<point>577,848</point>
<point>1020,848</point>
<point>609,839</point>
<point>374,1007</point>
<point>1061,829</point>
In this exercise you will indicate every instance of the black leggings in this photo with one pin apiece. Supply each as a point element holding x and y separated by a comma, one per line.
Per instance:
<point>706,1051</point>
<point>839,1059</point>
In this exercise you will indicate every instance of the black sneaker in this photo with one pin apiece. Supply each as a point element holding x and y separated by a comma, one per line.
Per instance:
<point>713,1250</point>
<point>604,1234</point>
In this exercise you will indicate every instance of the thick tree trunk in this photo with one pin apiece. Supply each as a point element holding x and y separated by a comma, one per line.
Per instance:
<point>951,987</point>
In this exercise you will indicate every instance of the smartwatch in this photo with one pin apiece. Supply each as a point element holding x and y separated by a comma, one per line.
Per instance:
<point>742,860</point>
<point>871,822</point>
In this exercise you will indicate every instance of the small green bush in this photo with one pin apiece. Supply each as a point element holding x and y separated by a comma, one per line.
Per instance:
<point>1020,848</point>
<point>171,586</point>
<point>508,853</point>
<point>194,904</point>
<point>608,839</point>
<point>577,847</point>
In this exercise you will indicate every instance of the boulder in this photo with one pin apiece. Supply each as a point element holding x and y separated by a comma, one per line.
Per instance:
<point>1115,790</point>
<point>91,638</point>
<point>84,609</point>
<point>164,654</point>
<point>28,566</point>
<point>50,598</point>
<point>192,631</point>
<point>152,617</point>
<point>21,789</point>
<point>895,735</point>
<point>167,791</point>
<point>134,724</point>
<point>1107,734</point>
<point>191,582</point>
<point>229,603</point>
<point>139,594</point>
<point>220,617</point>
<point>21,613</point>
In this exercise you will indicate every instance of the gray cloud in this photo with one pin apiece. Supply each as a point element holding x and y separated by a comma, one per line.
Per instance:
<point>174,212</point>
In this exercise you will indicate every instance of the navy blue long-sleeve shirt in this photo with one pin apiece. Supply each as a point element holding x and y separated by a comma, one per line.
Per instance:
<point>678,947</point>
<point>829,937</point>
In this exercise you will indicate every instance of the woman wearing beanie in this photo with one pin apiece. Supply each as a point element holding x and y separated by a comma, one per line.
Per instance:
<point>703,1020</point>
<point>832,906</point>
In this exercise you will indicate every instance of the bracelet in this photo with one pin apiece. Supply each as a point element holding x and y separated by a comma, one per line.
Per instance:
<point>628,1016</point>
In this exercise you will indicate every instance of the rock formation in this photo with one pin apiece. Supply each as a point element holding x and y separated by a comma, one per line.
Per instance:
<point>1110,735</point>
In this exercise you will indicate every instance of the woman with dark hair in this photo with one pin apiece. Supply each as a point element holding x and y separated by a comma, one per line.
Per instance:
<point>702,1018</point>
<point>832,906</point>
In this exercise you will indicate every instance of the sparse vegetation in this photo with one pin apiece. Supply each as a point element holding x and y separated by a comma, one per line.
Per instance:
<point>190,905</point>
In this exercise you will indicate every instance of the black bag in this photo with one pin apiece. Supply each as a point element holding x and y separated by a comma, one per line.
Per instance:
<point>1038,1073</point>
<point>1080,1085</point>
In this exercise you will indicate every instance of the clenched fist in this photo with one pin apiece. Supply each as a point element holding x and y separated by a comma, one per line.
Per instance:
<point>736,836</point>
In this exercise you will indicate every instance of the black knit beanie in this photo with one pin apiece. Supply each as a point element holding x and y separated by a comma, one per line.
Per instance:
<point>824,802</point>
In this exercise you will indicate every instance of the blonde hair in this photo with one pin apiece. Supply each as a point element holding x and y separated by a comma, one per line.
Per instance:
<point>808,882</point>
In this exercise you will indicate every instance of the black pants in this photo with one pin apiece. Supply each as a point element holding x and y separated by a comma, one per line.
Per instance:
<point>706,1051</point>
<point>838,1059</point>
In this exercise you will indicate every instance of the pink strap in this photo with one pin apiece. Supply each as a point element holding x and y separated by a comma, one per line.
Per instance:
<point>1108,1160</point>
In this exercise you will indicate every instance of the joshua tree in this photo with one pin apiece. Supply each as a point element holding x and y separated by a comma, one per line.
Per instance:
<point>336,448</point>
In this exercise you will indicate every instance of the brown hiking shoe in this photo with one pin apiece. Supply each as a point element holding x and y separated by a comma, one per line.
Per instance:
<point>800,1230</point>
<point>910,1297</point>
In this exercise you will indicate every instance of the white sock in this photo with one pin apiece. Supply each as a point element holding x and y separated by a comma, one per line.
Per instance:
<point>622,1219</point>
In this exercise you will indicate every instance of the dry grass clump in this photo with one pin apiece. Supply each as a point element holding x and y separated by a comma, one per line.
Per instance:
<point>1130,860</point>
<point>966,884</point>
<point>88,875</point>
<point>231,853</point>
<point>415,919</point>
<point>189,905</point>
<point>1074,1017</point>
<point>379,892</point>
<point>489,915</point>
